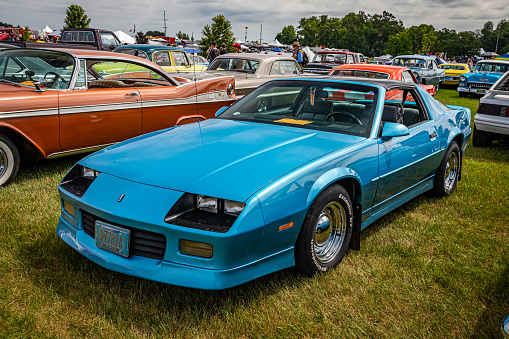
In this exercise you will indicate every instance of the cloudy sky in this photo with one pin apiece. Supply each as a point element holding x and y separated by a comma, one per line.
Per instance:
<point>190,16</point>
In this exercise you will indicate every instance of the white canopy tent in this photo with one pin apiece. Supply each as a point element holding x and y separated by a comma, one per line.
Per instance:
<point>276,43</point>
<point>47,30</point>
<point>125,38</point>
<point>309,53</point>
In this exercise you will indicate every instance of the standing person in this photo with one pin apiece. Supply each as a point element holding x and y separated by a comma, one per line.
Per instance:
<point>437,58</point>
<point>213,52</point>
<point>298,54</point>
<point>237,47</point>
<point>223,49</point>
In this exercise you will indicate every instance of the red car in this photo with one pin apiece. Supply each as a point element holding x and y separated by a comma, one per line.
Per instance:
<point>381,72</point>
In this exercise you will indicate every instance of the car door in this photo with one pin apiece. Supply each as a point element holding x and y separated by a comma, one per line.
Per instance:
<point>100,109</point>
<point>405,161</point>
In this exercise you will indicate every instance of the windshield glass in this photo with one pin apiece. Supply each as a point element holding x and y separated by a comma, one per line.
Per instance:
<point>234,64</point>
<point>492,67</point>
<point>25,67</point>
<point>409,62</point>
<point>330,106</point>
<point>453,67</point>
<point>330,57</point>
<point>360,73</point>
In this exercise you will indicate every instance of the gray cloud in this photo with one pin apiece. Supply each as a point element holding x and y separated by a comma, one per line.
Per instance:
<point>191,16</point>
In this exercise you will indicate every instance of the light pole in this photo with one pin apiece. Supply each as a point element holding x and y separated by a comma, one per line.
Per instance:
<point>245,37</point>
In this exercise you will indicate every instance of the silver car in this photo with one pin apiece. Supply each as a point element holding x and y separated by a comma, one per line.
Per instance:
<point>491,122</point>
<point>252,70</point>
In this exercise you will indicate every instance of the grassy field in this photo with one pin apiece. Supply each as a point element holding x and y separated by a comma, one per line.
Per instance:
<point>434,268</point>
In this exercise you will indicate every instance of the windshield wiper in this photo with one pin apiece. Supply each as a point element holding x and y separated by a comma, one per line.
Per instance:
<point>10,82</point>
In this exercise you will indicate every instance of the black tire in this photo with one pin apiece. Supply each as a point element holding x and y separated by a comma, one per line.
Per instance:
<point>462,94</point>
<point>9,160</point>
<point>447,174</point>
<point>481,138</point>
<point>318,249</point>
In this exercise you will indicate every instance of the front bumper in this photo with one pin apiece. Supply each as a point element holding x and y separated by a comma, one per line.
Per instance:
<point>467,89</point>
<point>169,272</point>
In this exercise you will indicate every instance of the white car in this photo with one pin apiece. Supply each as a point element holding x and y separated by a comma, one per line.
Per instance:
<point>491,121</point>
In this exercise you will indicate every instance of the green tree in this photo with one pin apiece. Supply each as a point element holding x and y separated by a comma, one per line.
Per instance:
<point>220,30</point>
<point>379,29</point>
<point>287,35</point>
<point>353,36</point>
<point>488,37</point>
<point>26,34</point>
<point>422,37</point>
<point>182,36</point>
<point>399,44</point>
<point>4,24</point>
<point>76,17</point>
<point>154,33</point>
<point>141,38</point>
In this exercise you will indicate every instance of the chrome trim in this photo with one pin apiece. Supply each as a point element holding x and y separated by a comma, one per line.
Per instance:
<point>78,150</point>
<point>29,113</point>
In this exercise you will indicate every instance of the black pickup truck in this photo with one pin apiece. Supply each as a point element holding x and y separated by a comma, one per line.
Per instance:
<point>81,38</point>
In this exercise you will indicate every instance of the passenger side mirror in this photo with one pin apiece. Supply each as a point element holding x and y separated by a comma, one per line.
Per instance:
<point>221,110</point>
<point>393,129</point>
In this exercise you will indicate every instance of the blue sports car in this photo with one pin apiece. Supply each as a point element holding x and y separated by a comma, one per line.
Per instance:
<point>485,74</point>
<point>287,176</point>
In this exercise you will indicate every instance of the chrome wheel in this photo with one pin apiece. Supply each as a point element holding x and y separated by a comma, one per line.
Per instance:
<point>330,231</point>
<point>3,162</point>
<point>451,171</point>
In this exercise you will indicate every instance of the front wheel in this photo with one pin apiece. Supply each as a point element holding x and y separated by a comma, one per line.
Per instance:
<point>463,94</point>
<point>325,234</point>
<point>9,160</point>
<point>447,174</point>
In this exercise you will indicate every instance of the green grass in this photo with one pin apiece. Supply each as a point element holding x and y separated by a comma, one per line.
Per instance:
<point>434,268</point>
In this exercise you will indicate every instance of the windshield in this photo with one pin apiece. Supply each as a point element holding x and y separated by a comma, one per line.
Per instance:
<point>360,73</point>
<point>25,67</point>
<point>234,64</point>
<point>492,67</point>
<point>330,57</point>
<point>330,106</point>
<point>453,67</point>
<point>409,62</point>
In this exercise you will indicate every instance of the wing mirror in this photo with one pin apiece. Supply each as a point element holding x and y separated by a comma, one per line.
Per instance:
<point>40,85</point>
<point>393,129</point>
<point>221,110</point>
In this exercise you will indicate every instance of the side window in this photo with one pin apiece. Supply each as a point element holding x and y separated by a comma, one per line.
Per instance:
<point>9,67</point>
<point>180,59</point>
<point>109,40</point>
<point>81,81</point>
<point>134,52</point>
<point>407,77</point>
<point>276,68</point>
<point>413,111</point>
<point>162,58</point>
<point>350,59</point>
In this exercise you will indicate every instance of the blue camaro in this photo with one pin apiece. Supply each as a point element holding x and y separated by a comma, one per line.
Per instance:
<point>287,176</point>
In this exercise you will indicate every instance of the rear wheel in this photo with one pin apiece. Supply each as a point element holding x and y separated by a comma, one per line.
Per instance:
<point>447,174</point>
<point>463,94</point>
<point>9,160</point>
<point>481,138</point>
<point>325,234</point>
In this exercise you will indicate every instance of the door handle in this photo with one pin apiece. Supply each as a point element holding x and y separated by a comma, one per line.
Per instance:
<point>133,94</point>
<point>433,135</point>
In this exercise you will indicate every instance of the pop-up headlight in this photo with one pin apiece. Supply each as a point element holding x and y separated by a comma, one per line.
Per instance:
<point>204,212</point>
<point>78,180</point>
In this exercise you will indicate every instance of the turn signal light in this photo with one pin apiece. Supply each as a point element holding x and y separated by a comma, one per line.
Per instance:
<point>197,249</point>
<point>68,208</point>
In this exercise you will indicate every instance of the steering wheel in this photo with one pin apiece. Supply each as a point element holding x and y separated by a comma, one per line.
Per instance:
<point>346,114</point>
<point>54,81</point>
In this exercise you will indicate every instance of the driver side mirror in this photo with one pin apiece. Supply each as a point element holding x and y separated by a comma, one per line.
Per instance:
<point>40,85</point>
<point>393,129</point>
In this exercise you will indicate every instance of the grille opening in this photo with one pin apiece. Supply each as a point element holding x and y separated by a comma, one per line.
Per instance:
<point>143,243</point>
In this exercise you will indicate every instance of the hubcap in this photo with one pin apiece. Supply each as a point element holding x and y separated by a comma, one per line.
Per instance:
<point>3,162</point>
<point>330,232</point>
<point>451,170</point>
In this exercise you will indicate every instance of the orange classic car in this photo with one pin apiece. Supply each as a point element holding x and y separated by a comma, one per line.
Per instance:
<point>59,102</point>
<point>381,72</point>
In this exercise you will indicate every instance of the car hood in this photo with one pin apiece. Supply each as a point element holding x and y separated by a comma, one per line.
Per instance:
<point>222,158</point>
<point>488,77</point>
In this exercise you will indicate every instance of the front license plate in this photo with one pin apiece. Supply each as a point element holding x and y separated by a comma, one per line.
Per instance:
<point>111,238</point>
<point>481,91</point>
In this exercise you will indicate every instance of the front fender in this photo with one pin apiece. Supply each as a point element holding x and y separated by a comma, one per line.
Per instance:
<point>329,177</point>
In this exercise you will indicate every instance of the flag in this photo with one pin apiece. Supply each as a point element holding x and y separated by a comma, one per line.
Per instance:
<point>131,30</point>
